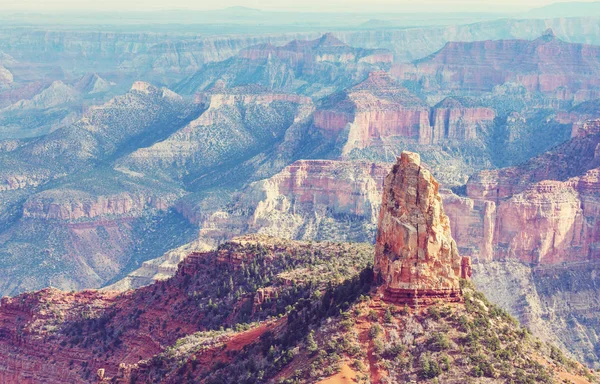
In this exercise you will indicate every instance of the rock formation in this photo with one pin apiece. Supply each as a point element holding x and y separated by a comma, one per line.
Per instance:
<point>452,120</point>
<point>311,67</point>
<point>379,111</point>
<point>547,65</point>
<point>416,258</point>
<point>543,212</point>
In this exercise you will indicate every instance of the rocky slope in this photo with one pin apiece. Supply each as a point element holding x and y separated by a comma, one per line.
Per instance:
<point>258,278</point>
<point>85,232</point>
<point>369,341</point>
<point>313,67</point>
<point>141,116</point>
<point>541,215</point>
<point>551,197</point>
<point>236,125</point>
<point>48,109</point>
<point>79,222</point>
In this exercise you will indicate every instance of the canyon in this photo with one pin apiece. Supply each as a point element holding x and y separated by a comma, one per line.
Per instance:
<point>522,242</point>
<point>130,160</point>
<point>155,333</point>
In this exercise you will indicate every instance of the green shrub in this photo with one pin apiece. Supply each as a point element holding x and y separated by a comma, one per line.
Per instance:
<point>439,342</point>
<point>311,344</point>
<point>372,315</point>
<point>375,331</point>
<point>429,367</point>
<point>388,316</point>
<point>434,313</point>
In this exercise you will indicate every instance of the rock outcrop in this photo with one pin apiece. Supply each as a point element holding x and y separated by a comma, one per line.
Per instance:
<point>543,212</point>
<point>416,258</point>
<point>379,110</point>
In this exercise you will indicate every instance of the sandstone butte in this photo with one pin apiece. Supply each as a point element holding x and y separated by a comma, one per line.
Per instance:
<point>416,258</point>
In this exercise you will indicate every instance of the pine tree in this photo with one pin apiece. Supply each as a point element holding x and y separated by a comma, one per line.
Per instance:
<point>311,344</point>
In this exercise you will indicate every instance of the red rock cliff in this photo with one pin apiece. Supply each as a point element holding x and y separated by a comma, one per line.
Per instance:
<point>379,108</point>
<point>416,257</point>
<point>544,212</point>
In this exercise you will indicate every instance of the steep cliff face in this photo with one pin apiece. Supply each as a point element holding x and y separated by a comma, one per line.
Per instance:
<point>416,257</point>
<point>372,111</point>
<point>579,116</point>
<point>73,205</point>
<point>543,212</point>
<point>309,200</point>
<point>328,187</point>
<point>454,121</point>
<point>547,65</point>
<point>379,108</point>
<point>82,233</point>
<point>378,117</point>
<point>537,225</point>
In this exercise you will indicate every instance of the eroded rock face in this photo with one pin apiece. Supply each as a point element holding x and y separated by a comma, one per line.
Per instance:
<point>543,212</point>
<point>310,67</point>
<point>546,64</point>
<point>368,119</point>
<point>416,257</point>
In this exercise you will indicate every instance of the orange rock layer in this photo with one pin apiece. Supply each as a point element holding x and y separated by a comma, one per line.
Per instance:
<point>416,258</point>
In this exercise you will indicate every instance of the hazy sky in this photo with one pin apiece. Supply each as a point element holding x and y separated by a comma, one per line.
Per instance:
<point>304,5</point>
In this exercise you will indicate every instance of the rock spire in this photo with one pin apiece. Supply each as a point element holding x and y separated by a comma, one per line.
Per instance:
<point>416,259</point>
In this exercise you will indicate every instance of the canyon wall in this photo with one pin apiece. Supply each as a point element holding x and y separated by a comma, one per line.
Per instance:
<point>541,213</point>
<point>547,65</point>
<point>379,109</point>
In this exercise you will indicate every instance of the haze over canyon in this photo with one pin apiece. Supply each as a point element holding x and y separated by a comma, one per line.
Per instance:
<point>263,196</point>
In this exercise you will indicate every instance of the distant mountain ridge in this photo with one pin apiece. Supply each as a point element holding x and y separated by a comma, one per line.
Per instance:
<point>566,9</point>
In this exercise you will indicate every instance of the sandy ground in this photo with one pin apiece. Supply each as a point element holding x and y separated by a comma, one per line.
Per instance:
<point>345,376</point>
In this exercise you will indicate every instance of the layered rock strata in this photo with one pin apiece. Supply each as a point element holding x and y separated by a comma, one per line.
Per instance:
<point>543,212</point>
<point>379,109</point>
<point>416,258</point>
<point>547,65</point>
